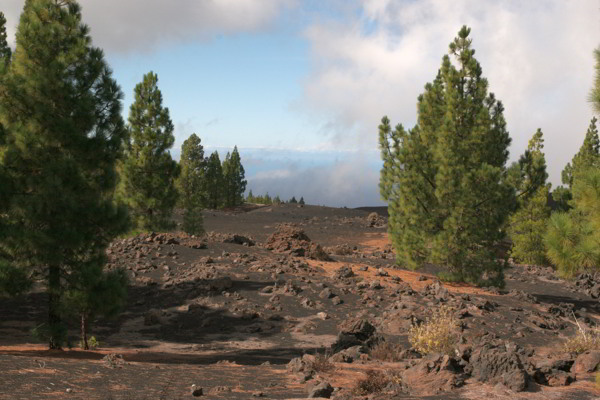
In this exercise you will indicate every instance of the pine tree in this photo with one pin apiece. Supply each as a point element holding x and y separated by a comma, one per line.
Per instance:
<point>148,173</point>
<point>61,111</point>
<point>527,225</point>
<point>5,51</point>
<point>587,156</point>
<point>445,180</point>
<point>214,181</point>
<point>595,92</point>
<point>233,179</point>
<point>293,200</point>
<point>301,201</point>
<point>573,239</point>
<point>191,184</point>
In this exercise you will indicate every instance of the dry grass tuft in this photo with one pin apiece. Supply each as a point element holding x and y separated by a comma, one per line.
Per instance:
<point>584,340</point>
<point>374,382</point>
<point>321,363</point>
<point>386,351</point>
<point>438,334</point>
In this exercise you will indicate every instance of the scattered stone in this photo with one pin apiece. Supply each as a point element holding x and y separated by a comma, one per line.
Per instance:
<point>433,374</point>
<point>196,391</point>
<point>374,220</point>
<point>221,284</point>
<point>353,332</point>
<point>498,364</point>
<point>587,362</point>
<point>152,317</point>
<point>239,239</point>
<point>323,315</point>
<point>344,272</point>
<point>323,389</point>
<point>289,239</point>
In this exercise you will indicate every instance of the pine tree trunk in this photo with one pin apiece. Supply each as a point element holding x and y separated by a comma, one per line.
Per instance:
<point>84,332</point>
<point>53,307</point>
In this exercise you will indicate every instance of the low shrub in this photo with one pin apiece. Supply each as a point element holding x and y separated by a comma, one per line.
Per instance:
<point>374,382</point>
<point>386,351</point>
<point>584,340</point>
<point>438,334</point>
<point>321,363</point>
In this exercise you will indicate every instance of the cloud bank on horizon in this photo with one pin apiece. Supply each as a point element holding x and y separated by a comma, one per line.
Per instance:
<point>366,59</point>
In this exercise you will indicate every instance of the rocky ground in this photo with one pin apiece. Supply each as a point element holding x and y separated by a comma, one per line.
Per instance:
<point>290,302</point>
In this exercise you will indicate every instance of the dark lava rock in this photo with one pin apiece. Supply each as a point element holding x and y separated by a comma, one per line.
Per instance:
<point>221,284</point>
<point>587,362</point>
<point>353,332</point>
<point>434,373</point>
<point>196,391</point>
<point>326,294</point>
<point>239,239</point>
<point>344,272</point>
<point>323,389</point>
<point>554,372</point>
<point>289,239</point>
<point>498,364</point>
<point>349,355</point>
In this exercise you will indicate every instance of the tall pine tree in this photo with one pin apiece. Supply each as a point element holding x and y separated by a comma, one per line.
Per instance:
<point>61,111</point>
<point>191,184</point>
<point>148,173</point>
<point>233,179</point>
<point>444,180</point>
<point>213,179</point>
<point>527,225</point>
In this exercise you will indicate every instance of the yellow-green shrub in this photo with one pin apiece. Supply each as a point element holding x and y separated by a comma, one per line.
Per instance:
<point>438,334</point>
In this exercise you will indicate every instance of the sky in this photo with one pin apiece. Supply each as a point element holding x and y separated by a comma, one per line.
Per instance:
<point>300,86</point>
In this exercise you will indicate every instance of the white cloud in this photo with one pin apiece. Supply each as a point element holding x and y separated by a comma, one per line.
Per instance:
<point>537,57</point>
<point>142,25</point>
<point>350,181</point>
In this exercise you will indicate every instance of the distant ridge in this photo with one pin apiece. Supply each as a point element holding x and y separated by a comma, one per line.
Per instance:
<point>381,210</point>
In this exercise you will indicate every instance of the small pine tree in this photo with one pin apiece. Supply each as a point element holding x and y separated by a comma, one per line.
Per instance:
<point>61,111</point>
<point>250,198</point>
<point>148,173</point>
<point>444,180</point>
<point>301,201</point>
<point>93,292</point>
<point>214,181</point>
<point>293,200</point>
<point>191,184</point>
